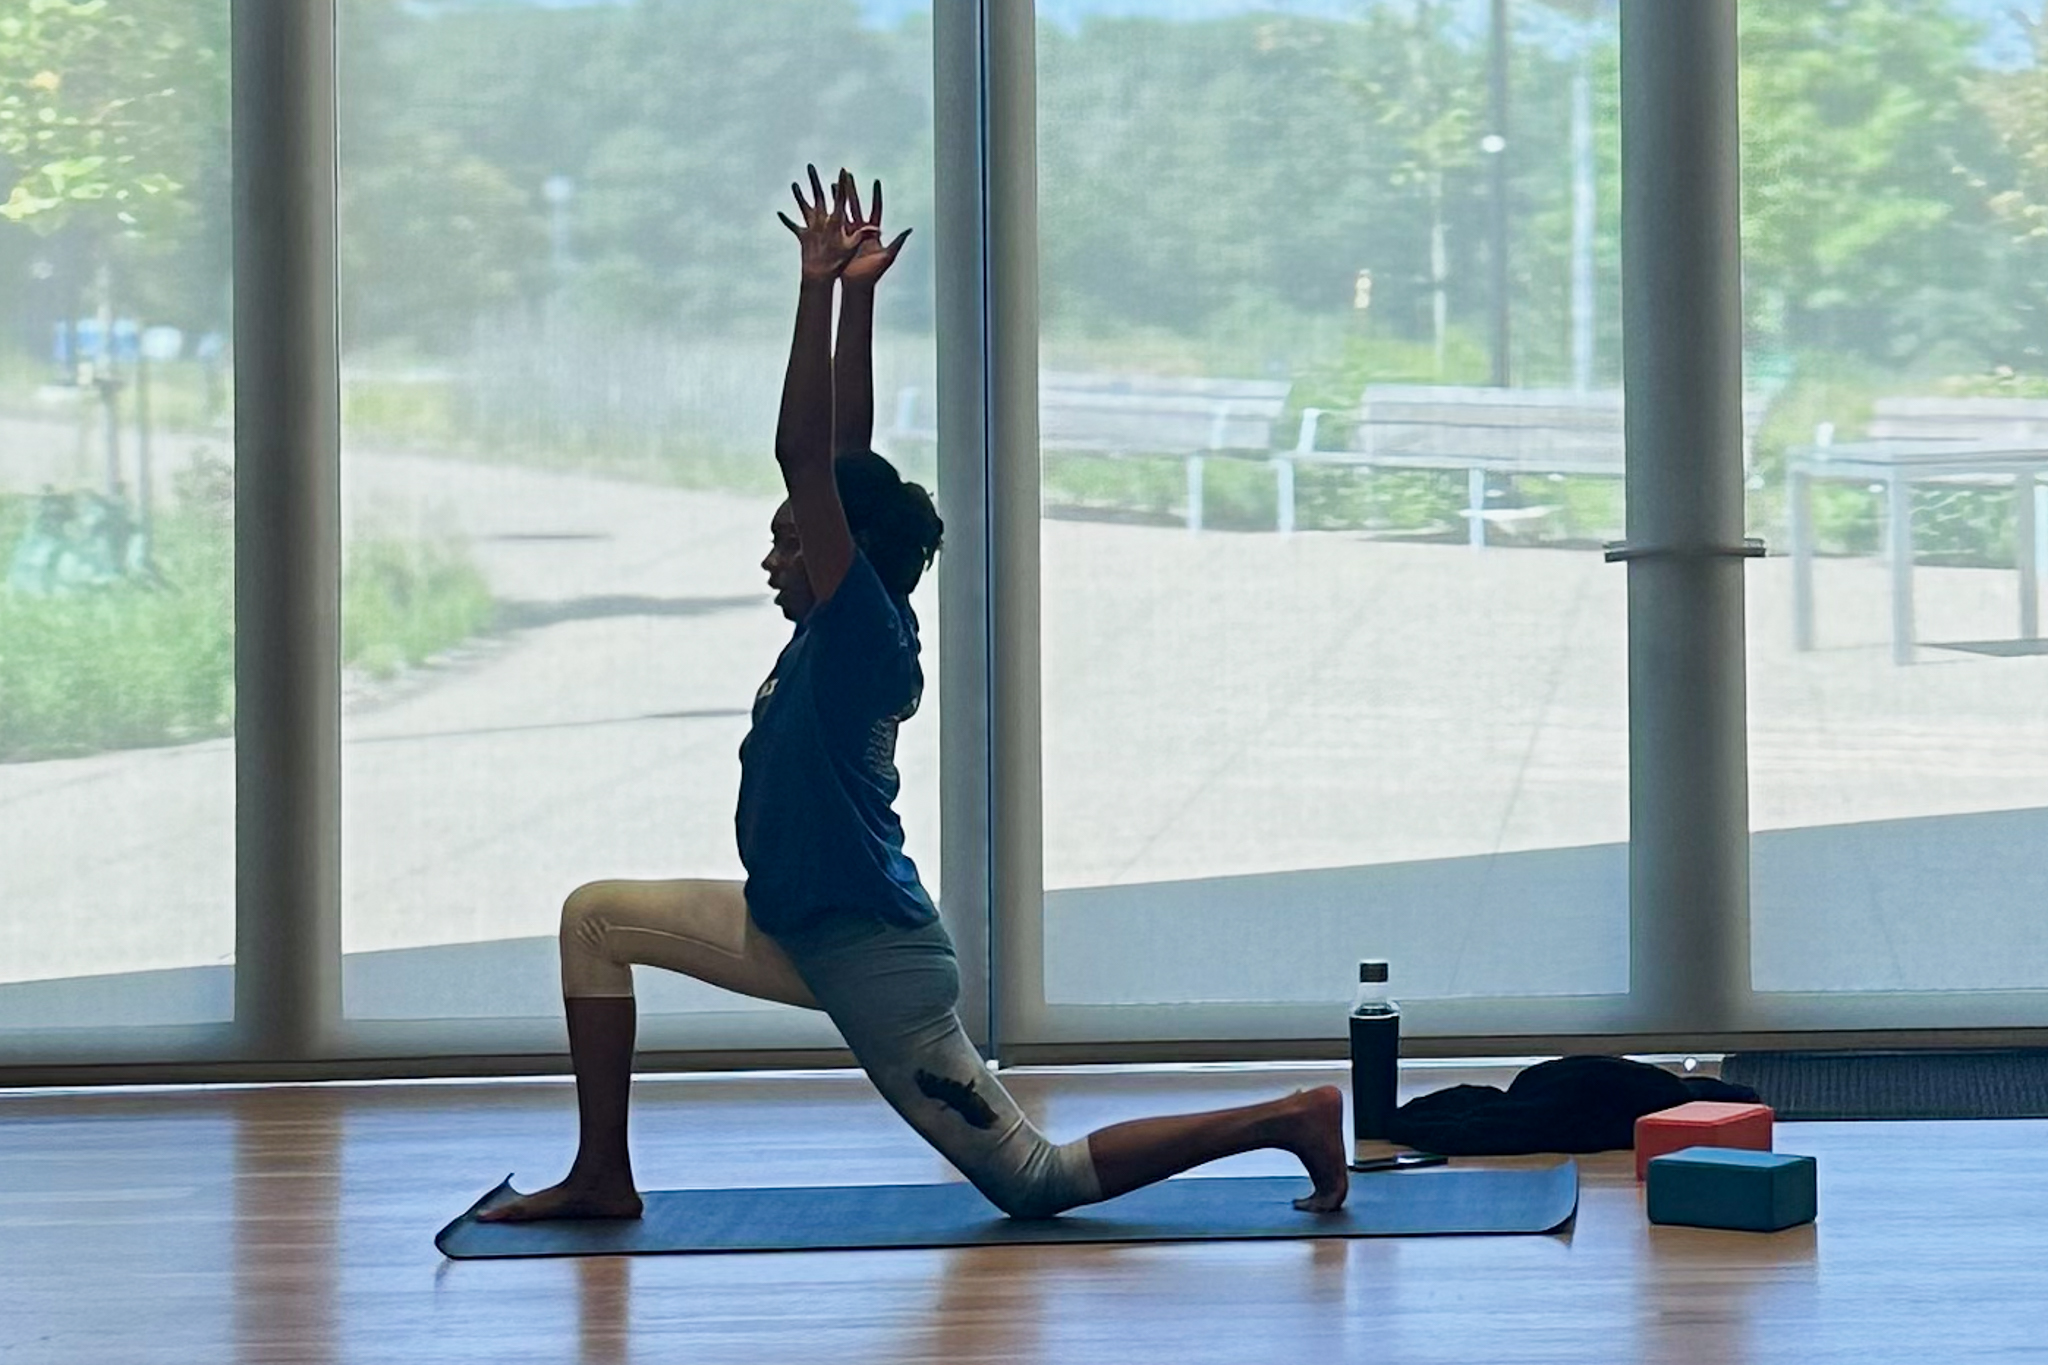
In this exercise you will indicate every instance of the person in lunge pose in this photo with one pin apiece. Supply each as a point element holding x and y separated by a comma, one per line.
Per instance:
<point>832,915</point>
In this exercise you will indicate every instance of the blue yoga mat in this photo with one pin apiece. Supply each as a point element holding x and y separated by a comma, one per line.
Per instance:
<point>1190,1209</point>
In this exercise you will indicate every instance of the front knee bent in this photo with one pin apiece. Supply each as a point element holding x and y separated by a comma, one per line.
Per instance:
<point>590,963</point>
<point>583,913</point>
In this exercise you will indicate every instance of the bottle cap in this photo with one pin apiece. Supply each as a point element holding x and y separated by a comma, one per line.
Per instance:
<point>1373,969</point>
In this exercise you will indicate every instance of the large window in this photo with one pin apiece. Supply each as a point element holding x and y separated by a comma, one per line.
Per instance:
<point>1893,195</point>
<point>1290,641</point>
<point>1333,666</point>
<point>116,508</point>
<point>564,327</point>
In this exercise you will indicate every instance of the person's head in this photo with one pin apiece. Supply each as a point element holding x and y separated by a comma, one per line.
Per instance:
<point>893,523</point>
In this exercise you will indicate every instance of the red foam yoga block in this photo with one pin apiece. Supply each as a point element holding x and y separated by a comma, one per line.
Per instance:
<point>1703,1123</point>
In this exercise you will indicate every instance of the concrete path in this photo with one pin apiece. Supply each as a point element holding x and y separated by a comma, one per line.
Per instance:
<point>1437,734</point>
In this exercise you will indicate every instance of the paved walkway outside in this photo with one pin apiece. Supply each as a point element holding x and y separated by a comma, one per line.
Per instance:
<point>1448,725</point>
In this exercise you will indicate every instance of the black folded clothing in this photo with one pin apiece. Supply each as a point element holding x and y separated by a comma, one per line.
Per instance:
<point>1573,1104</point>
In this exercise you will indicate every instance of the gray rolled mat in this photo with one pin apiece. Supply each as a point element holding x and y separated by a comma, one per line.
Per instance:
<point>1190,1209</point>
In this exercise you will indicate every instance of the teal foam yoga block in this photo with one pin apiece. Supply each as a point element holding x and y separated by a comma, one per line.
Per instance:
<point>1729,1187</point>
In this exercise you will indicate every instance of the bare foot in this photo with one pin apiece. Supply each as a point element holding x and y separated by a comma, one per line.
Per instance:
<point>573,1198</point>
<point>1312,1127</point>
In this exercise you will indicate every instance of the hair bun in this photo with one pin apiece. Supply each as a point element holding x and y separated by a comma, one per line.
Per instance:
<point>893,521</point>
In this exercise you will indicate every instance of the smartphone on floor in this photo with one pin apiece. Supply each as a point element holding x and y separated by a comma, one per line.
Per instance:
<point>1400,1161</point>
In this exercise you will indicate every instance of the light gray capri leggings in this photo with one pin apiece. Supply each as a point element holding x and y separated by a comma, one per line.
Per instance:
<point>892,992</point>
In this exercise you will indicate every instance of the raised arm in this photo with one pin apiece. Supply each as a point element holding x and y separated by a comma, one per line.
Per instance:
<point>853,361</point>
<point>803,431</point>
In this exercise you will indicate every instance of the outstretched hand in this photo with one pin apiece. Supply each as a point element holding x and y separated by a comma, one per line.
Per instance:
<point>828,238</point>
<point>871,259</point>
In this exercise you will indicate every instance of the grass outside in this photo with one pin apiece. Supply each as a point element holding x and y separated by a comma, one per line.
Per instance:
<point>405,601</point>
<point>125,666</point>
<point>136,664</point>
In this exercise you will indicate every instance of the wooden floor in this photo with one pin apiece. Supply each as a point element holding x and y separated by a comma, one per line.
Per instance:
<point>295,1225</point>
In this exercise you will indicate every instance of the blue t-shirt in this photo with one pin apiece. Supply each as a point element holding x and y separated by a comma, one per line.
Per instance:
<point>817,823</point>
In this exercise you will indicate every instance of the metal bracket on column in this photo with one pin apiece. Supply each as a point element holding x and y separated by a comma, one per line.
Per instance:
<point>1620,551</point>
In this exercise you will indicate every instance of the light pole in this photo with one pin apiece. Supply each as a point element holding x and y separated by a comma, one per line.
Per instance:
<point>1584,207</point>
<point>1495,145</point>
<point>1590,18</point>
<point>558,190</point>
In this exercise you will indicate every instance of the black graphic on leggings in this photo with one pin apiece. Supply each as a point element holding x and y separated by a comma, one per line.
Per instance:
<point>958,1097</point>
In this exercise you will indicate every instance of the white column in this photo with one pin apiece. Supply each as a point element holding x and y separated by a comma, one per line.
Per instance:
<point>287,531</point>
<point>959,93</point>
<point>1682,317</point>
<point>1016,824</point>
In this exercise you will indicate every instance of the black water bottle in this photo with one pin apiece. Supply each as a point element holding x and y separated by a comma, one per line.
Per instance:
<point>1375,1054</point>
